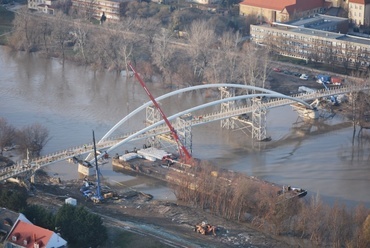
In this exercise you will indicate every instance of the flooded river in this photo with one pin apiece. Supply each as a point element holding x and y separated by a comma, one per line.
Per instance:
<point>71,101</point>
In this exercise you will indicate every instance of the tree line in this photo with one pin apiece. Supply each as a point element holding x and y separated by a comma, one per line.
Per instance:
<point>211,50</point>
<point>29,140</point>
<point>235,196</point>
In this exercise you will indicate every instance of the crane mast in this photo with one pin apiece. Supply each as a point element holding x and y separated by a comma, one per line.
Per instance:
<point>184,153</point>
<point>98,188</point>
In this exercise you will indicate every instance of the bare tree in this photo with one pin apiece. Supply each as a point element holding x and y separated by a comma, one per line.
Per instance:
<point>33,138</point>
<point>201,38</point>
<point>45,31</point>
<point>223,62</point>
<point>254,65</point>
<point>60,32</point>
<point>7,134</point>
<point>25,36</point>
<point>366,232</point>
<point>163,53</point>
<point>81,35</point>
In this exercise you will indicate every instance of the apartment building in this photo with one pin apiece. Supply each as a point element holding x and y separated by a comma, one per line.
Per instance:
<point>282,10</point>
<point>45,6</point>
<point>359,12</point>
<point>314,45</point>
<point>96,8</point>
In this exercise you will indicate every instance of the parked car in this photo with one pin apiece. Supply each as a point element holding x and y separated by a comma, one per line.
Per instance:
<point>304,77</point>
<point>276,69</point>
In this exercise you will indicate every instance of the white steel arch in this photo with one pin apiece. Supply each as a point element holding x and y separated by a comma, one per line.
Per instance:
<point>277,95</point>
<point>176,92</point>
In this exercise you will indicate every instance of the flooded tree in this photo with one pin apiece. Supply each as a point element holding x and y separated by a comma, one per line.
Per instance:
<point>7,134</point>
<point>60,33</point>
<point>32,139</point>
<point>25,36</point>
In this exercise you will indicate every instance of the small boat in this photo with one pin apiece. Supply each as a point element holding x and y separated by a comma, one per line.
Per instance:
<point>290,192</point>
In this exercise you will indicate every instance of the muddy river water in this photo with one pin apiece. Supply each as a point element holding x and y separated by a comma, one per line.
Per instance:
<point>72,100</point>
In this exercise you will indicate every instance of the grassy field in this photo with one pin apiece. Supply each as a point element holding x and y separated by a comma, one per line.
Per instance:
<point>6,19</point>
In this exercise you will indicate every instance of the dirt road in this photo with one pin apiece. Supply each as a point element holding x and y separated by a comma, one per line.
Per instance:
<point>170,223</point>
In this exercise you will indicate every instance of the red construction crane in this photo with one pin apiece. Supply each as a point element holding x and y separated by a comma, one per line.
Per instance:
<point>184,153</point>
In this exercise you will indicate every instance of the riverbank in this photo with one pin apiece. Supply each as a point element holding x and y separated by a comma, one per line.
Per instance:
<point>169,222</point>
<point>153,222</point>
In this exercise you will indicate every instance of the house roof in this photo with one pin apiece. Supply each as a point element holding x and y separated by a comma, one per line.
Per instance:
<point>289,5</point>
<point>26,235</point>
<point>360,1</point>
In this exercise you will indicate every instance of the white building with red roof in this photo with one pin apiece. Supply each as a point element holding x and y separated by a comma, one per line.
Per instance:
<point>26,235</point>
<point>282,10</point>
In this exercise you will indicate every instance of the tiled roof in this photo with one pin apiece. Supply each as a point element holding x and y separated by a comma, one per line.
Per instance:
<point>360,1</point>
<point>290,5</point>
<point>26,235</point>
<point>269,4</point>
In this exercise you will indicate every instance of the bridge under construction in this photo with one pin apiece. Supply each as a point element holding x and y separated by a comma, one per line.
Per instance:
<point>252,114</point>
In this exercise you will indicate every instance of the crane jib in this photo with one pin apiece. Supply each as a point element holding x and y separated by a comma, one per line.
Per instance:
<point>182,149</point>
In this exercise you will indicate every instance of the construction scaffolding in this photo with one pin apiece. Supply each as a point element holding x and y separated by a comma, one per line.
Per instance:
<point>165,141</point>
<point>152,116</point>
<point>184,131</point>
<point>259,119</point>
<point>228,123</point>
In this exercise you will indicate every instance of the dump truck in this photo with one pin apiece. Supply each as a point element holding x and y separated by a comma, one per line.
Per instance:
<point>336,80</point>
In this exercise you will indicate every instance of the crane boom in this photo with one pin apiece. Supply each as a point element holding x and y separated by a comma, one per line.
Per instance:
<point>184,153</point>
<point>98,188</point>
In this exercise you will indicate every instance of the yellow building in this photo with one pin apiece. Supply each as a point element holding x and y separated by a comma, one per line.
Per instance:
<point>282,10</point>
<point>359,12</point>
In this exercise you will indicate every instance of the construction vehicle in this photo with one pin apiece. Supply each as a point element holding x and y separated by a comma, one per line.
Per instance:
<point>205,228</point>
<point>183,152</point>
<point>93,190</point>
<point>333,99</point>
<point>323,79</point>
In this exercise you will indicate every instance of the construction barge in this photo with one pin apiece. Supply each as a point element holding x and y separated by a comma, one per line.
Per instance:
<point>165,167</point>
